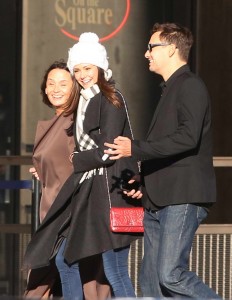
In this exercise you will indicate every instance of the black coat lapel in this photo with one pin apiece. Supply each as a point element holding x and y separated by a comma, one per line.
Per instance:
<point>92,115</point>
<point>163,87</point>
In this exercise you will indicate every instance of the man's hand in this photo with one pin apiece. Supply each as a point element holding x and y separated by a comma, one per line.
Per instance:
<point>120,148</point>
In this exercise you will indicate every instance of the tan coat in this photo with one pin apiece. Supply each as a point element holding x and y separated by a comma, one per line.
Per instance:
<point>51,158</point>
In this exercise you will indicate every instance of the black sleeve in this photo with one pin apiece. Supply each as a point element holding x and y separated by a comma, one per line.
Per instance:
<point>112,123</point>
<point>192,106</point>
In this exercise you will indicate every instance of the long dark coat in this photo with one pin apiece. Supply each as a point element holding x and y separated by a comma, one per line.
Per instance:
<point>84,208</point>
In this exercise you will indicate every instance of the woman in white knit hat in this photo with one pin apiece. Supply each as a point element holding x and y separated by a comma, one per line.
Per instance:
<point>101,116</point>
<point>77,225</point>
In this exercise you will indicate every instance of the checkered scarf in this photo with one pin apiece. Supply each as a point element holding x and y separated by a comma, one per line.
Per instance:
<point>84,140</point>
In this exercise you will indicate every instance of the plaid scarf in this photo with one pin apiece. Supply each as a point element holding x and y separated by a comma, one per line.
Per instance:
<point>84,140</point>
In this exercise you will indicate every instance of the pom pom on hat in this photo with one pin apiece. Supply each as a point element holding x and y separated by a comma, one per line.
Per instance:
<point>88,51</point>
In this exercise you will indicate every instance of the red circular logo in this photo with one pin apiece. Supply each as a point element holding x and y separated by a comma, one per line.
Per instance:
<point>107,36</point>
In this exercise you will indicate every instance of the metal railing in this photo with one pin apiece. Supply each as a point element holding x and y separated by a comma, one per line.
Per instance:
<point>210,258</point>
<point>14,238</point>
<point>32,185</point>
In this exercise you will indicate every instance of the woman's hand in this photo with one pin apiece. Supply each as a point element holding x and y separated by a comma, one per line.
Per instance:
<point>34,172</point>
<point>136,194</point>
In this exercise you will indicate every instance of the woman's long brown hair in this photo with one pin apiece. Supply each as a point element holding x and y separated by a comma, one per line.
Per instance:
<point>107,88</point>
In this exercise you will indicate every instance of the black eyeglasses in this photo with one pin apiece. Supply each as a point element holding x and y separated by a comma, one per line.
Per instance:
<point>151,46</point>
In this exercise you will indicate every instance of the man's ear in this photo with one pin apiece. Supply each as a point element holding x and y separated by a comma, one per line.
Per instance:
<point>172,50</point>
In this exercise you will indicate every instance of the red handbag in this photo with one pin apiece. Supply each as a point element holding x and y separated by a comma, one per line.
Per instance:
<point>126,219</point>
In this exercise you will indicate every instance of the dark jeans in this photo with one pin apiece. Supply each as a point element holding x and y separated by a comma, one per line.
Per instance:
<point>168,239</point>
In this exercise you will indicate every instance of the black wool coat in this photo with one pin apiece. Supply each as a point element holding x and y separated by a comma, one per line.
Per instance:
<point>81,211</point>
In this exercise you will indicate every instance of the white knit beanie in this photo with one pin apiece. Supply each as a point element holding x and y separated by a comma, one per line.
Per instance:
<point>88,51</point>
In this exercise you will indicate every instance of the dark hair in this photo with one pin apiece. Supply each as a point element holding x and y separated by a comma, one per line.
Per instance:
<point>106,87</point>
<point>72,102</point>
<point>175,34</point>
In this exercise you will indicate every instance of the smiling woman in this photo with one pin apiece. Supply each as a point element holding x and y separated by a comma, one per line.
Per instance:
<point>57,84</point>
<point>54,142</point>
<point>77,225</point>
<point>86,75</point>
<point>58,88</point>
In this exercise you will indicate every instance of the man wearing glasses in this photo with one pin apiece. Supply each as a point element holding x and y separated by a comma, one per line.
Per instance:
<point>177,168</point>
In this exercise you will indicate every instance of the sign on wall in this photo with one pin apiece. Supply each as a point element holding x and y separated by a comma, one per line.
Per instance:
<point>72,17</point>
<point>51,28</point>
